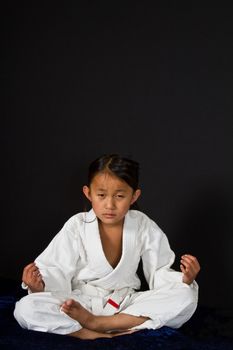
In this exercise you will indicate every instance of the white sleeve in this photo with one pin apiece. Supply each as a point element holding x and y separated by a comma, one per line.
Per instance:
<point>157,258</point>
<point>58,262</point>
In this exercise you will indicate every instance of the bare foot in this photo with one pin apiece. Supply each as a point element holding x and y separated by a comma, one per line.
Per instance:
<point>91,335</point>
<point>101,324</point>
<point>76,311</point>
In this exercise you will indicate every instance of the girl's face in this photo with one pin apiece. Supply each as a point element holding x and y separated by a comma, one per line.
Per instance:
<point>110,197</point>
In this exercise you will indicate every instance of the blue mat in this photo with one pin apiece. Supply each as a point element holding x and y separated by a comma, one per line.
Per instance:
<point>208,329</point>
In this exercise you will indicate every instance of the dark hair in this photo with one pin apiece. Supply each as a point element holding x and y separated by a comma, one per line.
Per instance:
<point>124,168</point>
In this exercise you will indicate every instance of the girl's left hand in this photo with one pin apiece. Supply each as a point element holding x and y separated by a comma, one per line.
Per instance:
<point>190,268</point>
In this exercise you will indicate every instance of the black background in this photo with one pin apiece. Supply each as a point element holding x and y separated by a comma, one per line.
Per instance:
<point>150,82</point>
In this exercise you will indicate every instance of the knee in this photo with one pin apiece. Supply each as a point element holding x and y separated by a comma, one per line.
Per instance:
<point>186,304</point>
<point>23,310</point>
<point>188,298</point>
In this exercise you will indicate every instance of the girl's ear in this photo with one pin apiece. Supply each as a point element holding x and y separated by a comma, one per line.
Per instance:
<point>86,191</point>
<point>136,195</point>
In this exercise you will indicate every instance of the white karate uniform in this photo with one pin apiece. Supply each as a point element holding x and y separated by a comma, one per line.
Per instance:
<point>74,266</point>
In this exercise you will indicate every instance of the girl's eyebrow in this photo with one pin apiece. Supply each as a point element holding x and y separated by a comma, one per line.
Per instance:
<point>104,190</point>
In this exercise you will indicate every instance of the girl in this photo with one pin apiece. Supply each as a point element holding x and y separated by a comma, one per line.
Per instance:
<point>85,283</point>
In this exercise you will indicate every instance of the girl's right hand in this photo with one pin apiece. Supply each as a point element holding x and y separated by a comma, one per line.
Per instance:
<point>32,278</point>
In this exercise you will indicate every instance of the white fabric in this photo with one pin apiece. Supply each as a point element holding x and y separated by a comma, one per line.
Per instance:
<point>74,266</point>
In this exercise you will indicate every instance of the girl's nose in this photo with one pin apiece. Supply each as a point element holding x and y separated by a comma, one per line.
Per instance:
<point>109,204</point>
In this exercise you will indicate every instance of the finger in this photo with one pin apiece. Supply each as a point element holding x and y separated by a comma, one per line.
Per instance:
<point>190,264</point>
<point>186,262</point>
<point>188,270</point>
<point>182,268</point>
<point>191,258</point>
<point>36,283</point>
<point>29,266</point>
<point>30,272</point>
<point>36,277</point>
<point>27,269</point>
<point>188,275</point>
<point>194,264</point>
<point>32,275</point>
<point>35,271</point>
<point>197,265</point>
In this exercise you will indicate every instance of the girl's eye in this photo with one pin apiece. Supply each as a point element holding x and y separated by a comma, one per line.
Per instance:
<point>120,196</point>
<point>101,195</point>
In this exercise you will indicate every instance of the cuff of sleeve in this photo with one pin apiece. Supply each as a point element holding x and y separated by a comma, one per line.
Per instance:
<point>24,286</point>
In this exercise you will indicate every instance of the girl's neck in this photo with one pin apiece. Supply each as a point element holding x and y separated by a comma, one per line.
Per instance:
<point>114,229</point>
<point>111,237</point>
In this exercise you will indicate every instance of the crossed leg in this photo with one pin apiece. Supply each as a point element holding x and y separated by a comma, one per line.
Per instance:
<point>87,334</point>
<point>100,326</point>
